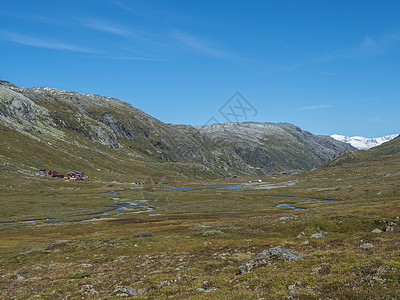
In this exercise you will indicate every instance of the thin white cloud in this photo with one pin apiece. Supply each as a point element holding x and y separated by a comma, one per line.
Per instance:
<point>379,120</point>
<point>327,74</point>
<point>125,7</point>
<point>369,42</point>
<point>102,26</point>
<point>42,43</point>
<point>369,46</point>
<point>140,58</point>
<point>200,46</point>
<point>86,21</point>
<point>32,17</point>
<point>366,48</point>
<point>314,107</point>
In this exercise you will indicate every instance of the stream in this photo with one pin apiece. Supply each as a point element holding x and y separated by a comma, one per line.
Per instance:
<point>127,208</point>
<point>230,187</point>
<point>136,207</point>
<point>288,206</point>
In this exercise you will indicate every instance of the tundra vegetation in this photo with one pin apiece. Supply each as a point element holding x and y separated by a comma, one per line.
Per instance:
<point>193,241</point>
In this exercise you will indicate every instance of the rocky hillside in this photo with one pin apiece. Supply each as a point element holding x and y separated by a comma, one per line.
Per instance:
<point>274,147</point>
<point>43,127</point>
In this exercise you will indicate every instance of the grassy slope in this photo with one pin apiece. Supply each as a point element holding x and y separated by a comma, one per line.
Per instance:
<point>89,133</point>
<point>97,160</point>
<point>97,257</point>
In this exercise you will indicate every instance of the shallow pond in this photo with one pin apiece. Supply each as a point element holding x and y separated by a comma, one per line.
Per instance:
<point>230,187</point>
<point>288,206</point>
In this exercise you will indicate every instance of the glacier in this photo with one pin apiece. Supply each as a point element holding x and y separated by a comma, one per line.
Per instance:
<point>363,143</point>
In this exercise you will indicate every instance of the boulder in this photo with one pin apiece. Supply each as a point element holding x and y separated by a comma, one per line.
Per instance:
<point>295,288</point>
<point>288,217</point>
<point>323,269</point>
<point>57,243</point>
<point>318,235</point>
<point>206,287</point>
<point>367,246</point>
<point>127,291</point>
<point>301,234</point>
<point>390,226</point>
<point>268,255</point>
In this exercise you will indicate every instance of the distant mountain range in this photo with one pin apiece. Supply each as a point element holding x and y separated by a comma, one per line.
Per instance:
<point>377,164</point>
<point>107,138</point>
<point>363,143</point>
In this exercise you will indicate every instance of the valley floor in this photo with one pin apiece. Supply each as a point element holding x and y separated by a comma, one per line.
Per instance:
<point>188,244</point>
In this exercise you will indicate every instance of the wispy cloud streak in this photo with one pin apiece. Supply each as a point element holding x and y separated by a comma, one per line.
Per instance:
<point>105,27</point>
<point>200,46</point>
<point>366,48</point>
<point>42,43</point>
<point>379,120</point>
<point>124,6</point>
<point>327,74</point>
<point>314,107</point>
<point>139,58</point>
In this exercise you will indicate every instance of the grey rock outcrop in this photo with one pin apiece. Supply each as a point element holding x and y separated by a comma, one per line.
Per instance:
<point>367,246</point>
<point>318,235</point>
<point>127,291</point>
<point>390,226</point>
<point>266,256</point>
<point>206,287</point>
<point>323,269</point>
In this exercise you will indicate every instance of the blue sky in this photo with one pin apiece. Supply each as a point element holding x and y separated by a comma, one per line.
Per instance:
<point>326,66</point>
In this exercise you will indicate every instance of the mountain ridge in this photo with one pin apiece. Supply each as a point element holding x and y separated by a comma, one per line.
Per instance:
<point>65,121</point>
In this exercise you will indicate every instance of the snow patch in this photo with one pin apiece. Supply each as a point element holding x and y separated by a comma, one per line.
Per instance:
<point>363,143</point>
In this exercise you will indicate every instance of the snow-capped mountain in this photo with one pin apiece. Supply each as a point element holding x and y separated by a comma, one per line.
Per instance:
<point>363,143</point>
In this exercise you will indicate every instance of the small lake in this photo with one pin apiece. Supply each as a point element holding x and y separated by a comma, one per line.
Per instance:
<point>288,206</point>
<point>230,187</point>
<point>309,198</point>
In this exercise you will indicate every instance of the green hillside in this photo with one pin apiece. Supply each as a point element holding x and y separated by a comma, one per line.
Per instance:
<point>111,140</point>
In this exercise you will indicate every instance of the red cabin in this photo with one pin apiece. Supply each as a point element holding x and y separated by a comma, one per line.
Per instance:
<point>76,175</point>
<point>52,172</point>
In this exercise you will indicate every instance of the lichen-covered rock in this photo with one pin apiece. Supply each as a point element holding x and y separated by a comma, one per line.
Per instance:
<point>206,287</point>
<point>57,243</point>
<point>127,291</point>
<point>390,226</point>
<point>323,269</point>
<point>268,255</point>
<point>318,235</point>
<point>288,217</point>
<point>293,289</point>
<point>367,246</point>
